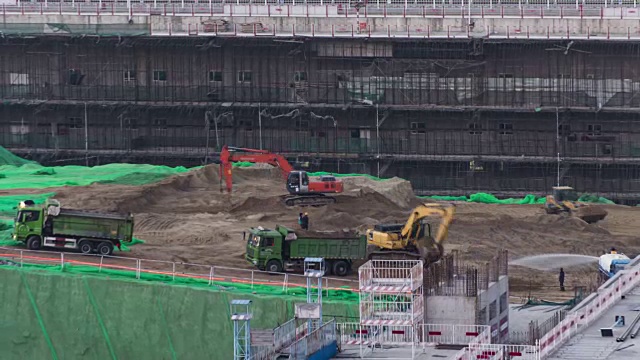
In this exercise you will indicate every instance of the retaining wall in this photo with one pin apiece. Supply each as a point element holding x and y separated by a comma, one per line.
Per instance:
<point>45,315</point>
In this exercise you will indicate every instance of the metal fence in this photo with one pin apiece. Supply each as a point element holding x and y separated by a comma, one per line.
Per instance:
<point>171,271</point>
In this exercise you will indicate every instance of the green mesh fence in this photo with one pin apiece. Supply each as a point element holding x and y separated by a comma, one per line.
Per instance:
<point>52,314</point>
<point>529,199</point>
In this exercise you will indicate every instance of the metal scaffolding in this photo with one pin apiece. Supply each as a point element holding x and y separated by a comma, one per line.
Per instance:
<point>241,317</point>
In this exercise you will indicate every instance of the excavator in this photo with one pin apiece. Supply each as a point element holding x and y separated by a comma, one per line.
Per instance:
<point>302,191</point>
<point>564,199</point>
<point>413,239</point>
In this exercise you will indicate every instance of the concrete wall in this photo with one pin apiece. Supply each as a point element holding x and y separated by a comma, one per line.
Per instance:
<point>493,305</point>
<point>458,310</point>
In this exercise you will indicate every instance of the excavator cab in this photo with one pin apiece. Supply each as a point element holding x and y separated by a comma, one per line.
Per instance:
<point>298,182</point>
<point>564,193</point>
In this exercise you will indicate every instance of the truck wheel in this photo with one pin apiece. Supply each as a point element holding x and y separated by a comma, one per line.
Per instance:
<point>85,247</point>
<point>341,268</point>
<point>105,248</point>
<point>34,243</point>
<point>274,266</point>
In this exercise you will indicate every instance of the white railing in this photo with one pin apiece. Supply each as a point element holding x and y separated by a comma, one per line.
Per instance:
<point>327,10</point>
<point>405,274</point>
<point>170,271</point>
<point>591,308</point>
<point>500,352</point>
<point>455,334</point>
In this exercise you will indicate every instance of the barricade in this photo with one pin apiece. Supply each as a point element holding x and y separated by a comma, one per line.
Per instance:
<point>455,334</point>
<point>591,308</point>
<point>500,352</point>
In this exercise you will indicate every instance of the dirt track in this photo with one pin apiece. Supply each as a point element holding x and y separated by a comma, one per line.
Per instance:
<point>186,218</point>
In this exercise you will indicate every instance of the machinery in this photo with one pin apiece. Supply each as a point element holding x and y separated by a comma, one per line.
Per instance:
<point>50,225</point>
<point>564,199</point>
<point>413,239</point>
<point>282,248</point>
<point>610,263</point>
<point>302,191</point>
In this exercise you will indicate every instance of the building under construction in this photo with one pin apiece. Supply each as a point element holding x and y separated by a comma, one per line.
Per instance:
<point>454,116</point>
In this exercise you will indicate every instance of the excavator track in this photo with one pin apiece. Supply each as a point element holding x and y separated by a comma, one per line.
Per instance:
<point>315,200</point>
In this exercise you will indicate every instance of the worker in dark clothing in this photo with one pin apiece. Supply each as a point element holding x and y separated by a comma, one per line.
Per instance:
<point>561,279</point>
<point>305,221</point>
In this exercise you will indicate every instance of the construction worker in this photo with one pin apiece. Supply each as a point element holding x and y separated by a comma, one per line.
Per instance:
<point>300,220</point>
<point>305,221</point>
<point>613,250</point>
<point>561,279</point>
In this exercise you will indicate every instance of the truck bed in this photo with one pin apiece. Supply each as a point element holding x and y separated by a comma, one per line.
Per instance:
<point>94,214</point>
<point>303,234</point>
<point>353,248</point>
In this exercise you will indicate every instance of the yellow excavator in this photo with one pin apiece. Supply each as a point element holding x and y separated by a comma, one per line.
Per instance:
<point>412,240</point>
<point>564,199</point>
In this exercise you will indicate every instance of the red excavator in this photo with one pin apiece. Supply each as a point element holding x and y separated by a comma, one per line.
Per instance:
<point>302,192</point>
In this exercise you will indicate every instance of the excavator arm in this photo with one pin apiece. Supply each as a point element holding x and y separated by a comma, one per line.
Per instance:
<point>430,249</point>
<point>228,157</point>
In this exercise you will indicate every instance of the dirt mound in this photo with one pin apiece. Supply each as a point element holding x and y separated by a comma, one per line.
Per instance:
<point>398,191</point>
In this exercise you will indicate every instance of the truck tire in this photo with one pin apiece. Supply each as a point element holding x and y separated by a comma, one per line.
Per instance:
<point>274,266</point>
<point>85,246</point>
<point>34,242</point>
<point>341,268</point>
<point>105,248</point>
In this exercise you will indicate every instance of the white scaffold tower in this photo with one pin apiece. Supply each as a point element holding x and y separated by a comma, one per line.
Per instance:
<point>391,301</point>
<point>314,268</point>
<point>241,318</point>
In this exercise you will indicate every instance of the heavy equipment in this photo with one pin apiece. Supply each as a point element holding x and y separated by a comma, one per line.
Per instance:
<point>282,248</point>
<point>412,240</point>
<point>302,191</point>
<point>564,200</point>
<point>612,262</point>
<point>51,225</point>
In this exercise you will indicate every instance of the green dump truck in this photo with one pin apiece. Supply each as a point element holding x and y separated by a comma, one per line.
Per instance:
<point>51,226</point>
<point>285,249</point>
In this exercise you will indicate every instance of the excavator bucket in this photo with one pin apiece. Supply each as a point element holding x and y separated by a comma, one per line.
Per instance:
<point>590,213</point>
<point>429,251</point>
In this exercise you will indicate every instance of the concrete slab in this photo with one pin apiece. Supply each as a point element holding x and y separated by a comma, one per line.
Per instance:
<point>395,352</point>
<point>589,343</point>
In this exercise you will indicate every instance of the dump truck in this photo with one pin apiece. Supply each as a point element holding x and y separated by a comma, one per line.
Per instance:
<point>282,248</point>
<point>51,226</point>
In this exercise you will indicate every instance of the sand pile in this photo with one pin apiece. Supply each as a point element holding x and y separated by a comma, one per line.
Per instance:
<point>398,191</point>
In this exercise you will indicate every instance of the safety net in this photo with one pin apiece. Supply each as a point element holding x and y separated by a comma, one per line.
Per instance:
<point>528,199</point>
<point>47,313</point>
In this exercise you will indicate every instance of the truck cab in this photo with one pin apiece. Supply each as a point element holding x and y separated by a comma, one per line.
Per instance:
<point>264,249</point>
<point>29,221</point>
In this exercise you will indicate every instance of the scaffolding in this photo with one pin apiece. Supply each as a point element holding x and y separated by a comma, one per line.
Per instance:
<point>241,317</point>
<point>391,292</point>
<point>452,116</point>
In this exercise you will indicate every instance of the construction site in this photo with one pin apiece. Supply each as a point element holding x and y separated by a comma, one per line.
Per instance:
<point>313,181</point>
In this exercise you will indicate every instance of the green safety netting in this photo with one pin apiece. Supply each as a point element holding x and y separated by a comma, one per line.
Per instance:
<point>529,199</point>
<point>51,314</point>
